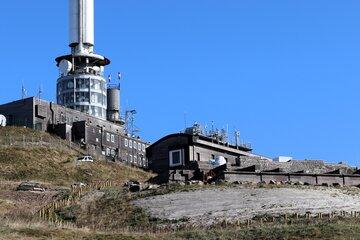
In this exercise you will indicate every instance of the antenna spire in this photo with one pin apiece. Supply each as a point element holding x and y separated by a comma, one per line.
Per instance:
<point>23,91</point>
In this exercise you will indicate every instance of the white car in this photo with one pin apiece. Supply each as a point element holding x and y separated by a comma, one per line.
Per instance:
<point>85,159</point>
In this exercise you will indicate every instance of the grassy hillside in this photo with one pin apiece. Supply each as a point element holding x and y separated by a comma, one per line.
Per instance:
<point>38,156</point>
<point>59,167</point>
<point>27,155</point>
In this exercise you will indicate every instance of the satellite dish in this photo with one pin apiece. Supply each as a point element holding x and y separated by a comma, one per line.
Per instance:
<point>2,121</point>
<point>96,68</point>
<point>65,66</point>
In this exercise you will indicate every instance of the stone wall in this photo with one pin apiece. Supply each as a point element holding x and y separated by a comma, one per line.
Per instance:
<point>308,166</point>
<point>311,179</point>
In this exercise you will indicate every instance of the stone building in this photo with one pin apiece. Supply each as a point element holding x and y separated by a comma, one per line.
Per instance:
<point>192,151</point>
<point>98,136</point>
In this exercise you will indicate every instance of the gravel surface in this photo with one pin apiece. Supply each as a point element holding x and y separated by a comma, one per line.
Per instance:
<point>211,205</point>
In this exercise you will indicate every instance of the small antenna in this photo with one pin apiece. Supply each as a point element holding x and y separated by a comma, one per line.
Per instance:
<point>109,78</point>
<point>23,91</point>
<point>185,120</point>
<point>119,78</point>
<point>237,138</point>
<point>40,91</point>
<point>227,132</point>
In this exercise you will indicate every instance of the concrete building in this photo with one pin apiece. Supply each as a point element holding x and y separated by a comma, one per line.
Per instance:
<point>98,136</point>
<point>192,150</point>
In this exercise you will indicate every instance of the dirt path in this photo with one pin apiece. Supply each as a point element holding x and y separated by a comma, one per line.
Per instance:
<point>237,203</point>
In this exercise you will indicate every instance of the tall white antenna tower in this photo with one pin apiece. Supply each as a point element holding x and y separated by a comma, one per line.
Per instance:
<point>82,71</point>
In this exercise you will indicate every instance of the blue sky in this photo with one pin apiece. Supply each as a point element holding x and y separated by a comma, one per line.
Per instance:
<point>285,73</point>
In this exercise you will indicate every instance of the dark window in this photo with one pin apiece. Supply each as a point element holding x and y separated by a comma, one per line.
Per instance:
<point>198,157</point>
<point>212,156</point>
<point>176,157</point>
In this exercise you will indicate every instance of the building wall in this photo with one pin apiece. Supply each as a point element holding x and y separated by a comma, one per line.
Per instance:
<point>19,113</point>
<point>312,179</point>
<point>135,155</point>
<point>158,154</point>
<point>207,154</point>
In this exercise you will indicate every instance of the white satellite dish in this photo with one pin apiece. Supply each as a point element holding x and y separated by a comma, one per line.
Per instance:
<point>96,68</point>
<point>2,121</point>
<point>65,66</point>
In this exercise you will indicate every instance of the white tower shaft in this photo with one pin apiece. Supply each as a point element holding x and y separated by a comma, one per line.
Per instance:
<point>81,25</point>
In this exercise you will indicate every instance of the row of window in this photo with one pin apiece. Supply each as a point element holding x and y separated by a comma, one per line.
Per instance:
<point>110,137</point>
<point>176,157</point>
<point>81,83</point>
<point>82,97</point>
<point>135,145</point>
<point>136,160</point>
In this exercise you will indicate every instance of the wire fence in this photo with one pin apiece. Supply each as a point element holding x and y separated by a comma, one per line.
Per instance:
<point>48,212</point>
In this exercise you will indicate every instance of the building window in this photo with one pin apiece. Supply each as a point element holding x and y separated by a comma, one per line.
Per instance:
<point>135,145</point>
<point>139,147</point>
<point>130,144</point>
<point>143,147</point>
<point>135,159</point>
<point>176,158</point>
<point>113,152</point>
<point>212,156</point>
<point>198,158</point>
<point>107,151</point>
<point>112,138</point>
<point>108,137</point>
<point>131,158</point>
<point>126,143</point>
<point>97,140</point>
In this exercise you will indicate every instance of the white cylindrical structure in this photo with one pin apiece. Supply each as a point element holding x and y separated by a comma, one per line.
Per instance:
<point>81,22</point>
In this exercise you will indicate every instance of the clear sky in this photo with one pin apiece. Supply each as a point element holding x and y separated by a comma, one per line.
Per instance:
<point>283,72</point>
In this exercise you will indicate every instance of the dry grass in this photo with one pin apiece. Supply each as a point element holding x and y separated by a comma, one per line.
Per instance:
<point>334,230</point>
<point>55,165</point>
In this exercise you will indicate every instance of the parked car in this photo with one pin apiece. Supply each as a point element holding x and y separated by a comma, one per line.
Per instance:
<point>85,159</point>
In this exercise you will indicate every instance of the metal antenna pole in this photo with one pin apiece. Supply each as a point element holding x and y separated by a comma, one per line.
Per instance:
<point>23,91</point>
<point>185,120</point>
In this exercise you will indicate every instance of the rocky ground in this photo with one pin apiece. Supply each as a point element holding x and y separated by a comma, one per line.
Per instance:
<point>211,205</point>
